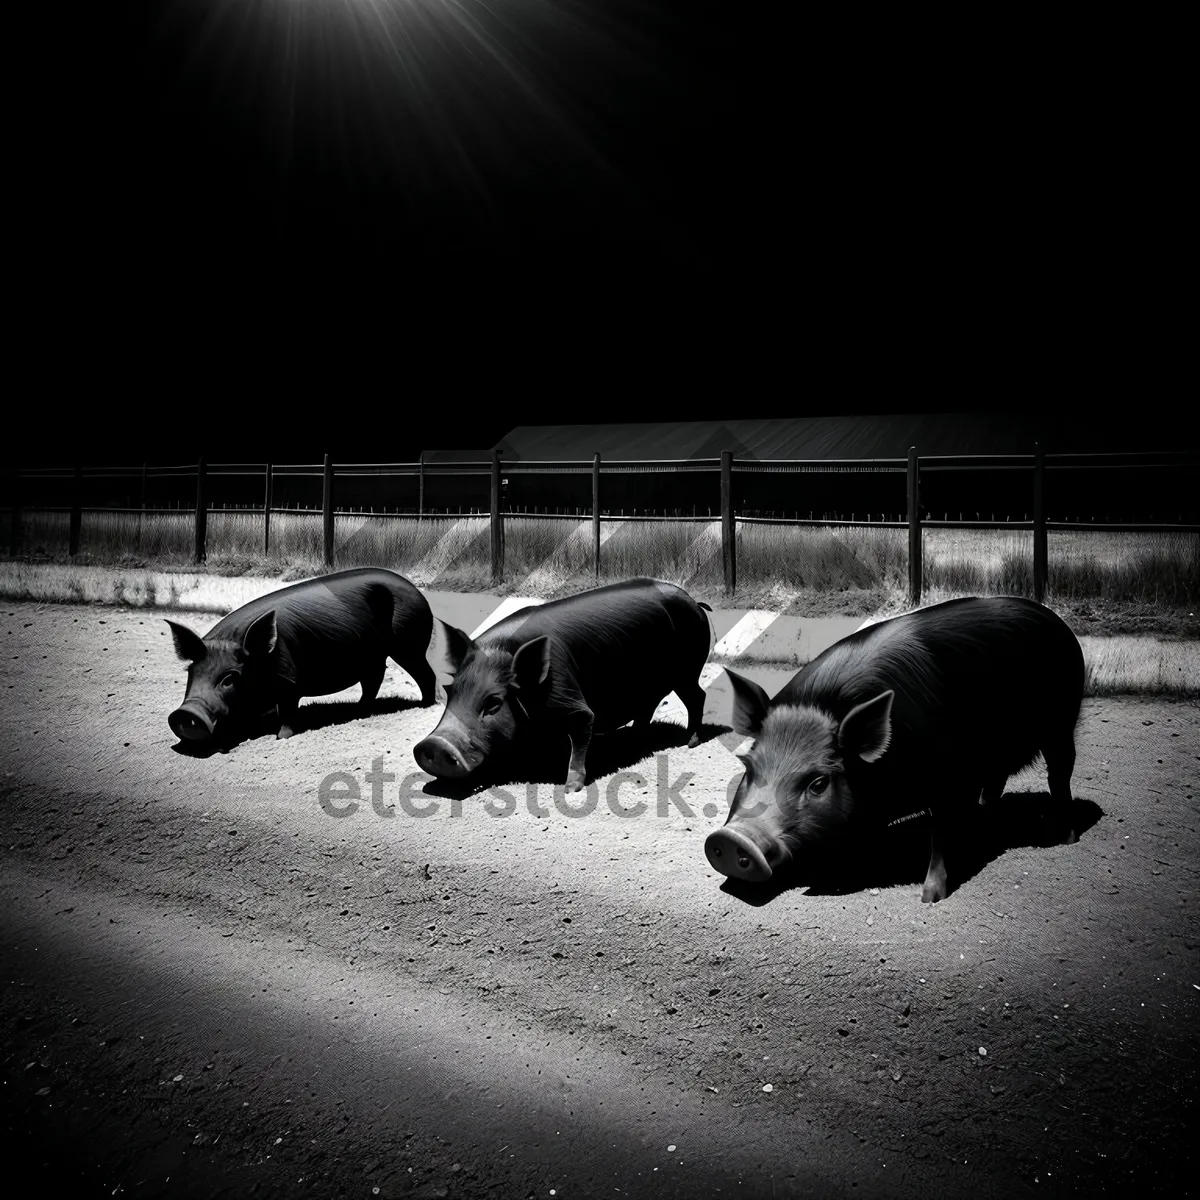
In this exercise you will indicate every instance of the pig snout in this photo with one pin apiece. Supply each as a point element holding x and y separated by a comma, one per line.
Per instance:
<point>192,723</point>
<point>449,751</point>
<point>438,756</point>
<point>746,850</point>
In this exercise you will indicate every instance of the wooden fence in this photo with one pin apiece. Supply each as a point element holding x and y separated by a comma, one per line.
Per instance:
<point>915,520</point>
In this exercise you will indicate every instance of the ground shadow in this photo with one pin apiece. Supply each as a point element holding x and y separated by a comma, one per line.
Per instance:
<point>899,855</point>
<point>207,749</point>
<point>311,717</point>
<point>325,713</point>
<point>625,748</point>
<point>546,760</point>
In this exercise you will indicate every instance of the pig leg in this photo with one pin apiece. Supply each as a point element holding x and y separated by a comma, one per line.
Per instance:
<point>423,676</point>
<point>947,822</point>
<point>692,695</point>
<point>289,708</point>
<point>644,722</point>
<point>579,726</point>
<point>372,680</point>
<point>936,883</point>
<point>1060,762</point>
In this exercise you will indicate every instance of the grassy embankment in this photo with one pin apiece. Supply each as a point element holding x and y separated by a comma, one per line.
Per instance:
<point>1111,588</point>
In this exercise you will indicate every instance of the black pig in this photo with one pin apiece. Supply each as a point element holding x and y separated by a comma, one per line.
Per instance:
<point>582,665</point>
<point>308,639</point>
<point>923,711</point>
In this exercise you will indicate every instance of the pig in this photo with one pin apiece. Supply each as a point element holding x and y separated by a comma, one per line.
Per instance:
<point>581,665</point>
<point>926,710</point>
<point>307,639</point>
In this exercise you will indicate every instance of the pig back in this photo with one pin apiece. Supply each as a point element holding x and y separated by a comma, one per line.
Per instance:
<point>980,684</point>
<point>619,648</point>
<point>329,633</point>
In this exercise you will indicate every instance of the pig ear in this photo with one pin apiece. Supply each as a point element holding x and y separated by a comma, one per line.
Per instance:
<point>456,645</point>
<point>261,636</point>
<point>743,750</point>
<point>867,729</point>
<point>750,704</point>
<point>188,645</point>
<point>531,663</point>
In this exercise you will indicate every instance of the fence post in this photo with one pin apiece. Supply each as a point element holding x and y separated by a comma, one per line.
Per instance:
<point>728,530</point>
<point>497,522</point>
<point>267,513</point>
<point>1039,522</point>
<point>14,528</point>
<point>421,485</point>
<point>142,513</point>
<point>76,510</point>
<point>596,514</point>
<point>915,571</point>
<point>327,510</point>
<point>201,511</point>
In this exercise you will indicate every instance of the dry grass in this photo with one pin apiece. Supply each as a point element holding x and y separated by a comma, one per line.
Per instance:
<point>428,549</point>
<point>812,569</point>
<point>1158,568</point>
<point>1123,664</point>
<point>822,558</point>
<point>1133,586</point>
<point>55,583</point>
<point>1145,665</point>
<point>971,562</point>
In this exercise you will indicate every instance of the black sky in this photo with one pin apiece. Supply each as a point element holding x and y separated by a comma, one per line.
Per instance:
<point>581,197</point>
<point>366,431</point>
<point>291,148</point>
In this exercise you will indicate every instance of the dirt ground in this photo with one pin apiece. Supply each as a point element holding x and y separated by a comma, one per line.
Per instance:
<point>215,986</point>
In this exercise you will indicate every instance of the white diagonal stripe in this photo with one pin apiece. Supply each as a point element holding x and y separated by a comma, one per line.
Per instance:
<point>447,546</point>
<point>557,566</point>
<point>672,710</point>
<point>749,629</point>
<point>705,545</point>
<point>672,707</point>
<point>509,604</point>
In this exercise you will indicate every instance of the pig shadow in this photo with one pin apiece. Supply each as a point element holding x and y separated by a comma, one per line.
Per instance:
<point>626,747</point>
<point>546,760</point>
<point>898,855</point>
<point>322,714</point>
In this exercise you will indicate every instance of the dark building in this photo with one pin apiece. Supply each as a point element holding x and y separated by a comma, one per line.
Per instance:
<point>832,467</point>
<point>819,467</point>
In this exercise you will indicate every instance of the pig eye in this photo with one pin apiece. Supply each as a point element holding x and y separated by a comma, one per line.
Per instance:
<point>818,785</point>
<point>229,679</point>
<point>492,705</point>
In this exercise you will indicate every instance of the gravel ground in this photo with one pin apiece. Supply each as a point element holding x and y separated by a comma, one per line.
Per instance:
<point>216,987</point>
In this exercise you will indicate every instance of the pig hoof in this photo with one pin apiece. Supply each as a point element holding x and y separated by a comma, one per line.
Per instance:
<point>931,893</point>
<point>1072,838</point>
<point>575,783</point>
<point>693,741</point>
<point>285,731</point>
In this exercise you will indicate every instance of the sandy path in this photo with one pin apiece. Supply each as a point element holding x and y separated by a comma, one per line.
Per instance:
<point>562,998</point>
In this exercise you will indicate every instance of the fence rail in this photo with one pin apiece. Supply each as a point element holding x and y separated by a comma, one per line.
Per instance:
<point>499,507</point>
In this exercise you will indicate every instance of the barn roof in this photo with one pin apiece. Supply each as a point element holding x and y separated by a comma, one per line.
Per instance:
<point>823,437</point>
<point>458,456</point>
